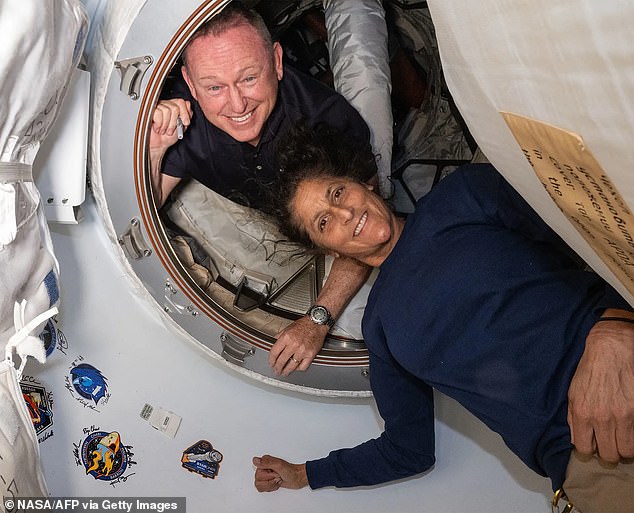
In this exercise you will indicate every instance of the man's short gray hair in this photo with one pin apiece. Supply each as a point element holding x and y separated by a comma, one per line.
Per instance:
<point>234,14</point>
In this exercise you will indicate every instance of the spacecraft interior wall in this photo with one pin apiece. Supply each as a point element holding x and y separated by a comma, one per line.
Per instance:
<point>130,59</point>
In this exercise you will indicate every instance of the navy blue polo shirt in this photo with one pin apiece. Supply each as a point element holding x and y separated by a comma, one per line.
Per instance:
<point>240,171</point>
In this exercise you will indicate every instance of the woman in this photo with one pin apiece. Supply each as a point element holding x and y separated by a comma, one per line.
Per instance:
<point>476,297</point>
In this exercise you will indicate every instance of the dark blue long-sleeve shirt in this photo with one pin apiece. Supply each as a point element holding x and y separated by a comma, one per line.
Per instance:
<point>482,301</point>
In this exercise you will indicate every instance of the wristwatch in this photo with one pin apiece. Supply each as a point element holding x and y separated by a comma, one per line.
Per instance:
<point>320,315</point>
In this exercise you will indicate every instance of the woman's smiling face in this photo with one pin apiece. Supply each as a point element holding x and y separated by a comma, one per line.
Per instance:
<point>346,217</point>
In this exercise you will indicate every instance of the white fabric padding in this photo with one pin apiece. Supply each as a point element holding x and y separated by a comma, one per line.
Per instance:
<point>357,45</point>
<point>42,44</point>
<point>44,41</point>
<point>567,63</point>
<point>239,240</point>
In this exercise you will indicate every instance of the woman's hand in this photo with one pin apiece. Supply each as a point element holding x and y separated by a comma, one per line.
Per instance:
<point>273,473</point>
<point>601,394</point>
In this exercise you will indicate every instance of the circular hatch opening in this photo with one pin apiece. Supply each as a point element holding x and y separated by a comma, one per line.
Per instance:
<point>212,285</point>
<point>227,260</point>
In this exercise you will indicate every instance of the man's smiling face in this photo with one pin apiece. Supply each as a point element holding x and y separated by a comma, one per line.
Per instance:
<point>234,77</point>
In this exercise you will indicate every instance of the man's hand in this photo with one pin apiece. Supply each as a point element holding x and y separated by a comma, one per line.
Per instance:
<point>164,122</point>
<point>272,473</point>
<point>163,134</point>
<point>601,394</point>
<point>296,346</point>
<point>299,342</point>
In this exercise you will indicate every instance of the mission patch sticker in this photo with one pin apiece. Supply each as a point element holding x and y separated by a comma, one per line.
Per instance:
<point>103,455</point>
<point>87,384</point>
<point>39,403</point>
<point>202,459</point>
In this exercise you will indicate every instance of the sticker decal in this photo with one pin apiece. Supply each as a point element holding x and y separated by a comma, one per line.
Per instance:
<point>165,421</point>
<point>103,455</point>
<point>39,404</point>
<point>53,338</point>
<point>87,384</point>
<point>49,337</point>
<point>202,459</point>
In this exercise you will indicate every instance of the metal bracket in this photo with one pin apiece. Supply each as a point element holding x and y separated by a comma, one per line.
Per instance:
<point>235,350</point>
<point>248,297</point>
<point>172,306</point>
<point>132,72</point>
<point>133,242</point>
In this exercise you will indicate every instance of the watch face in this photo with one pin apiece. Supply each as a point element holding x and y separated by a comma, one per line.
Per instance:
<point>319,314</point>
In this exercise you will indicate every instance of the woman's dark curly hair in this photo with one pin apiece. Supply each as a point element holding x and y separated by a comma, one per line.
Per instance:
<point>308,153</point>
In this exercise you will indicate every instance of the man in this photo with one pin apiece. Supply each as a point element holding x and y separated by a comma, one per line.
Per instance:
<point>238,100</point>
<point>479,299</point>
